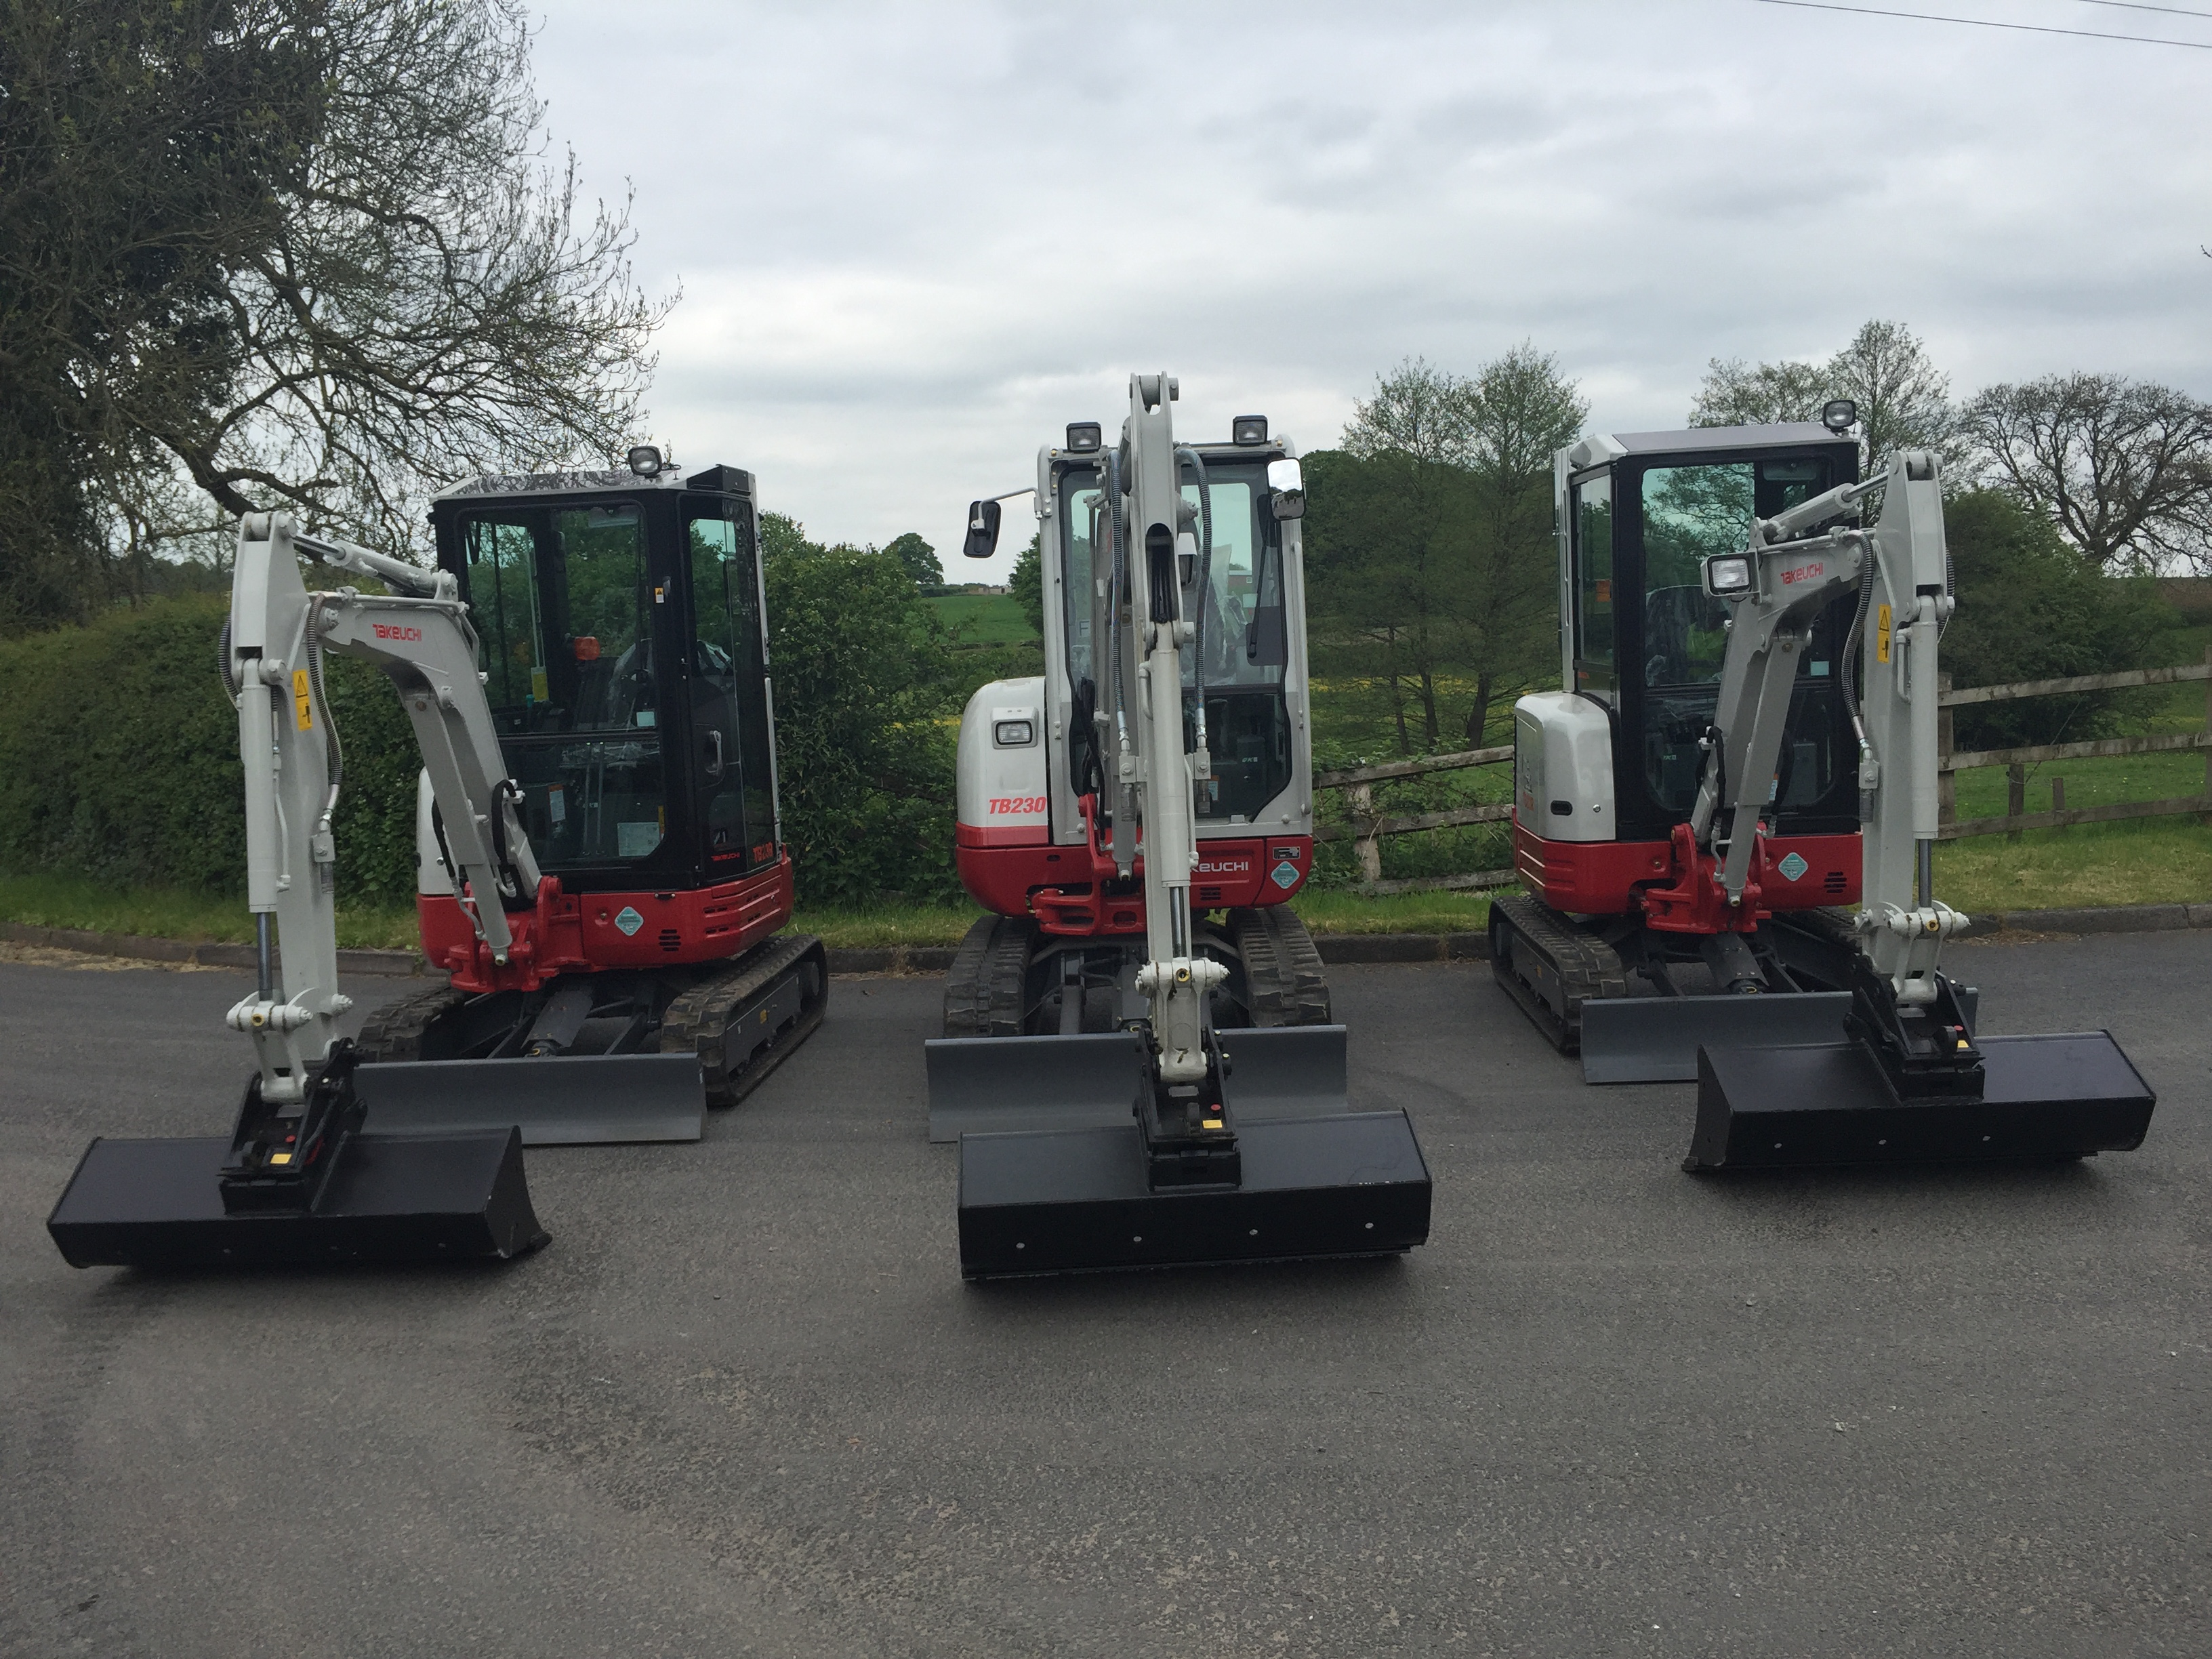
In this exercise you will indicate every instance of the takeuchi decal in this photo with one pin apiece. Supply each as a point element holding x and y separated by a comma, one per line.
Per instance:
<point>394,631</point>
<point>1224,866</point>
<point>1803,573</point>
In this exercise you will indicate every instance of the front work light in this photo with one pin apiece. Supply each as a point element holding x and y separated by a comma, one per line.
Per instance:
<point>1839,415</point>
<point>1083,436</point>
<point>1728,575</point>
<point>645,461</point>
<point>1248,429</point>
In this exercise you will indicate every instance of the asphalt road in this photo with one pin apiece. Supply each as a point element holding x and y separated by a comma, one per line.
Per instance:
<point>743,1404</point>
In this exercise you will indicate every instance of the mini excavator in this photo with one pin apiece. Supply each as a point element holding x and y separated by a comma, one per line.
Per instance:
<point>600,873</point>
<point>1138,1063</point>
<point>1749,745</point>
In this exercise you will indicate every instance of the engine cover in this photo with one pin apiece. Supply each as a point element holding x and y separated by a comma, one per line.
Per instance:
<point>1562,767</point>
<point>1002,799</point>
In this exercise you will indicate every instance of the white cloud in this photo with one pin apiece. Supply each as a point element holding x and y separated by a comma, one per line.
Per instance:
<point>914,242</point>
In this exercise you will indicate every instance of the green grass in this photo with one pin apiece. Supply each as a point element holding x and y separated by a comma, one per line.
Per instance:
<point>53,901</point>
<point>1326,910</point>
<point>2136,861</point>
<point>902,924</point>
<point>984,618</point>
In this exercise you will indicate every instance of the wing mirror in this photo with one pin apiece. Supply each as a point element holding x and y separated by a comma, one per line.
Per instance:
<point>1288,484</point>
<point>982,529</point>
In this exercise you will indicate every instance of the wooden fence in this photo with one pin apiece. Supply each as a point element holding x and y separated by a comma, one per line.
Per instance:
<point>1366,828</point>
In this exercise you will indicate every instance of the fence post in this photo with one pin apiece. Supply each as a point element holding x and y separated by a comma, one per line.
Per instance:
<point>2208,724</point>
<point>1360,798</point>
<point>1947,780</point>
<point>2058,797</point>
<point>2015,795</point>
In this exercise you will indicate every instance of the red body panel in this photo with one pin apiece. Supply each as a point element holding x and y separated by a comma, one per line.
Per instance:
<point>1066,888</point>
<point>576,933</point>
<point>1674,889</point>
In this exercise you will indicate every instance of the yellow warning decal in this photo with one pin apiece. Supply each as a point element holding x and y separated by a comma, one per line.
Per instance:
<point>280,1158</point>
<point>1881,633</point>
<point>302,700</point>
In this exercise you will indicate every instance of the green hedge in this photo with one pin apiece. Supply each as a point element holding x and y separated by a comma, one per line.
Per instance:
<point>119,755</point>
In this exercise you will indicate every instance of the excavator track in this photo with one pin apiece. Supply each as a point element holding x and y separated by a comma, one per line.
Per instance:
<point>395,1032</point>
<point>1551,967</point>
<point>1283,982</point>
<point>987,989</point>
<point>778,993</point>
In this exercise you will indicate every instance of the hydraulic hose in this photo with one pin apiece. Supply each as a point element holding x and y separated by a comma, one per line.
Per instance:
<point>1205,587</point>
<point>1852,650</point>
<point>332,749</point>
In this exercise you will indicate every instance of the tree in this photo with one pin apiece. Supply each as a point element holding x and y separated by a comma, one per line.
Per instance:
<point>2031,607</point>
<point>1904,401</point>
<point>919,559</point>
<point>1524,411</point>
<point>1431,536</point>
<point>2123,467</point>
<point>297,253</point>
<point>1027,583</point>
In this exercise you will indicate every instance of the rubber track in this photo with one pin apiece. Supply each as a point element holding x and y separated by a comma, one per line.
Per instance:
<point>698,1021</point>
<point>1283,982</point>
<point>395,1032</point>
<point>1587,967</point>
<point>987,989</point>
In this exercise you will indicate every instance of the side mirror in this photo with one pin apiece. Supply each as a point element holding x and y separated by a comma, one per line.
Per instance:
<point>1288,484</point>
<point>982,529</point>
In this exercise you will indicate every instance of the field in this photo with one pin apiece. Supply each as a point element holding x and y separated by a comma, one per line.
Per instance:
<point>983,618</point>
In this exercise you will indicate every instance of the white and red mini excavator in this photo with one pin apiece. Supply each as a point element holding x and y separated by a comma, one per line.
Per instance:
<point>1138,1060</point>
<point>600,874</point>
<point>1732,809</point>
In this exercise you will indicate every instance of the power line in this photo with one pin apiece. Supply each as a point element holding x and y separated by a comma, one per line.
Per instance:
<point>1986,23</point>
<point>2138,5</point>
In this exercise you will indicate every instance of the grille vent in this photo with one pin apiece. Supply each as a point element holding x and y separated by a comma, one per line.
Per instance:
<point>1835,883</point>
<point>671,940</point>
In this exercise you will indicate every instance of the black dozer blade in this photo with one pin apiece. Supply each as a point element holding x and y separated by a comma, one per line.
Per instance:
<point>1077,1200</point>
<point>390,1199</point>
<point>2043,1098</point>
<point>298,1184</point>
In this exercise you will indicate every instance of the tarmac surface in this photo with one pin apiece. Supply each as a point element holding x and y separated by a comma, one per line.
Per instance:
<point>743,1403</point>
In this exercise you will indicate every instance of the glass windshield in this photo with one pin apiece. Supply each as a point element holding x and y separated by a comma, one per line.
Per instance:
<point>1690,513</point>
<point>1593,532</point>
<point>561,604</point>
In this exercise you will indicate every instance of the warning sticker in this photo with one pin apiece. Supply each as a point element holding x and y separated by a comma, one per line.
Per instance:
<point>1792,868</point>
<point>629,921</point>
<point>1881,633</point>
<point>1285,875</point>
<point>303,701</point>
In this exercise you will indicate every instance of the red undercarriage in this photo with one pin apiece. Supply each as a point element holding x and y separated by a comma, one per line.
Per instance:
<point>1673,886</point>
<point>573,933</point>
<point>1073,892</point>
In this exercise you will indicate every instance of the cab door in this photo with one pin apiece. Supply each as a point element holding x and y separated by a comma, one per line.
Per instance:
<point>732,760</point>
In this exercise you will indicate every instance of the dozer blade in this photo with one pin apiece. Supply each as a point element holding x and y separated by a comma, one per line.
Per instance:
<point>1076,1200</point>
<point>2043,1098</point>
<point>1656,1039</point>
<point>990,1084</point>
<point>391,1198</point>
<point>563,1101</point>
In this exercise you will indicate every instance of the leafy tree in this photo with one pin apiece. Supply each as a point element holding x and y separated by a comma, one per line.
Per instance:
<point>1430,536</point>
<point>285,253</point>
<point>919,557</point>
<point>1903,399</point>
<point>2124,468</point>
<point>864,765</point>
<point>2031,607</point>
<point>1027,583</point>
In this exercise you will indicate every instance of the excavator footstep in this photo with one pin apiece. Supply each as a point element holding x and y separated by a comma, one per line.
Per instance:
<point>571,1100</point>
<point>988,1085</point>
<point>2045,1098</point>
<point>1076,1200</point>
<point>392,1199</point>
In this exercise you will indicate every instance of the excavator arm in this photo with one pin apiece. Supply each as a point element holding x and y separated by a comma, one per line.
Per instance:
<point>272,656</point>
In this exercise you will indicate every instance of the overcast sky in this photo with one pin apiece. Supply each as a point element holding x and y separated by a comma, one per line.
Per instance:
<point>914,242</point>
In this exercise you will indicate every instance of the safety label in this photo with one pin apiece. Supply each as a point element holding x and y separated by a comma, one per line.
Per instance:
<point>1792,866</point>
<point>628,921</point>
<point>303,702</point>
<point>1285,875</point>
